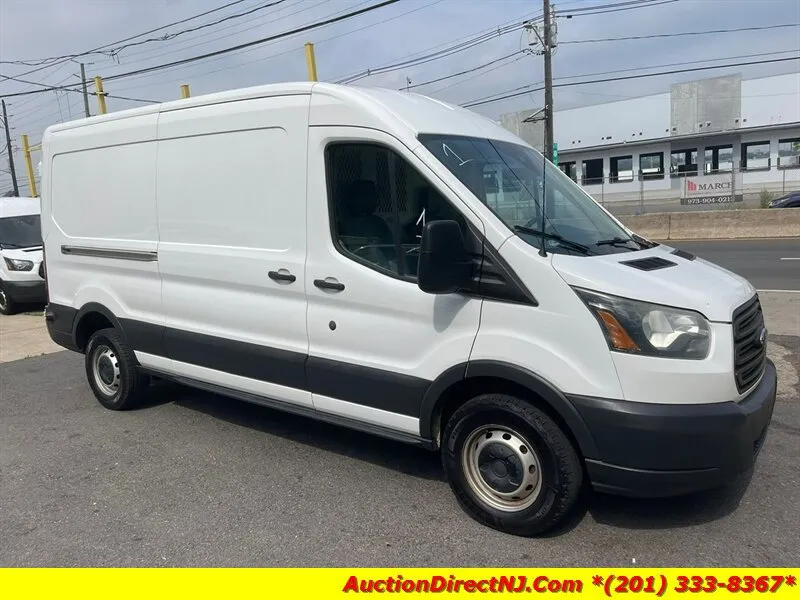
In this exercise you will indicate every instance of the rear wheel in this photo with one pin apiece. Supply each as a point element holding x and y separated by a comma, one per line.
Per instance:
<point>510,465</point>
<point>112,371</point>
<point>7,305</point>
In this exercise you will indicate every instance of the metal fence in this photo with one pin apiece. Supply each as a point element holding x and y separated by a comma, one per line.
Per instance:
<point>642,193</point>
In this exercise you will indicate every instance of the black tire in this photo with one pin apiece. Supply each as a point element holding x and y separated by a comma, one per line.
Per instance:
<point>7,305</point>
<point>560,478</point>
<point>112,371</point>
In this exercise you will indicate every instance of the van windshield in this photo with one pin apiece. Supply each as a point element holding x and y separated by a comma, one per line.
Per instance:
<point>23,231</point>
<point>510,179</point>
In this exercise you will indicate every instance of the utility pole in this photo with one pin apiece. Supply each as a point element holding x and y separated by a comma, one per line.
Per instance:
<point>85,91</point>
<point>10,152</point>
<point>548,81</point>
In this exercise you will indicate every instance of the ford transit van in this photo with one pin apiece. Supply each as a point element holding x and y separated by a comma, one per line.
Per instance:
<point>394,264</point>
<point>21,270</point>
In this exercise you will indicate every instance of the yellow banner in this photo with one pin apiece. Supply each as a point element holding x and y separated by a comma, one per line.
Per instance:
<point>321,584</point>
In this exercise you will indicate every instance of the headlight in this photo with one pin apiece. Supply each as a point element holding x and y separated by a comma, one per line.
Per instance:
<point>650,329</point>
<point>15,264</point>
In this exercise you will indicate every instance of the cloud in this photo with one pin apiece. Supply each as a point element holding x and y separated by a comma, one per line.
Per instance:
<point>39,28</point>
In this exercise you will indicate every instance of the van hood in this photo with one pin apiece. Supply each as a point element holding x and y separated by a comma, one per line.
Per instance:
<point>33,253</point>
<point>694,284</point>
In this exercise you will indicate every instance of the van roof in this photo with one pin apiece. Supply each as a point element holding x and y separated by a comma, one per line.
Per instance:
<point>13,206</point>
<point>399,112</point>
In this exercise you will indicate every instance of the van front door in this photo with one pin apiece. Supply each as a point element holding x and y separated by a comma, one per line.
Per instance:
<point>376,341</point>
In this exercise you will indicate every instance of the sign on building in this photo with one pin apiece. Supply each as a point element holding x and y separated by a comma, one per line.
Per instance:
<point>717,188</point>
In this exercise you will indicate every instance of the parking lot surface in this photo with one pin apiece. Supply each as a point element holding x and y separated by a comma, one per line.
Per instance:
<point>194,479</point>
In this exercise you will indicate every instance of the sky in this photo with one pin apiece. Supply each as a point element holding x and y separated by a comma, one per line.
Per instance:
<point>35,29</point>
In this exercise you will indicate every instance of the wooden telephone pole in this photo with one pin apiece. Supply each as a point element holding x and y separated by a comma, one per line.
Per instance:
<point>548,81</point>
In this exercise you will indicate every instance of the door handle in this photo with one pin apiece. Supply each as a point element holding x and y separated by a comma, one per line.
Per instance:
<point>282,275</point>
<point>329,284</point>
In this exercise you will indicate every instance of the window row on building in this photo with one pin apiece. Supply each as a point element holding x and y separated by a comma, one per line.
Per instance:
<point>755,156</point>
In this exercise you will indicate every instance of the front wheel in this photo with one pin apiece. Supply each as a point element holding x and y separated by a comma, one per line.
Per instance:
<point>510,465</point>
<point>7,305</point>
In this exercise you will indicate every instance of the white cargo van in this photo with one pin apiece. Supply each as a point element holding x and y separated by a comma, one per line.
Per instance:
<point>394,264</point>
<point>21,269</point>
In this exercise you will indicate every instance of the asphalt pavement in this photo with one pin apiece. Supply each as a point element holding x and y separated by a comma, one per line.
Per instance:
<point>772,264</point>
<point>195,479</point>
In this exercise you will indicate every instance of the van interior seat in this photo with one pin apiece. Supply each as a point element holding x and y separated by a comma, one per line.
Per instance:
<point>360,202</point>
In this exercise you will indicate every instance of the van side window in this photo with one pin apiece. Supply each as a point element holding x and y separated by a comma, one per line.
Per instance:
<point>379,205</point>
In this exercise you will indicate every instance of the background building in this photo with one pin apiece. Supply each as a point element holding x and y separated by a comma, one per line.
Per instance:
<point>715,142</point>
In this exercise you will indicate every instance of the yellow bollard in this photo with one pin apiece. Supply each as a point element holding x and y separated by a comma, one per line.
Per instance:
<point>101,95</point>
<point>311,62</point>
<point>26,151</point>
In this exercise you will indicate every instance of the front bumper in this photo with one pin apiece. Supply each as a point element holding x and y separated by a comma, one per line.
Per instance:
<point>656,450</point>
<point>26,291</point>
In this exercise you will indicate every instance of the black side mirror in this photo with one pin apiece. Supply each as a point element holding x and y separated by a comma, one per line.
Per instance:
<point>444,264</point>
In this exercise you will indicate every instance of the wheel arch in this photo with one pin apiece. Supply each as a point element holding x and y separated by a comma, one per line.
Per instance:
<point>467,380</point>
<point>91,318</point>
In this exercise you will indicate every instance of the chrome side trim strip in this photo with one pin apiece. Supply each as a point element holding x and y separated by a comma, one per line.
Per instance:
<point>137,255</point>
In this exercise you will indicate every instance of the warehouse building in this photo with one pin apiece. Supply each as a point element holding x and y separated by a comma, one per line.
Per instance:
<point>713,141</point>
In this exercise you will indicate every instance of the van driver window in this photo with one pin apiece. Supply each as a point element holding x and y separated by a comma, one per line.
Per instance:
<point>380,205</point>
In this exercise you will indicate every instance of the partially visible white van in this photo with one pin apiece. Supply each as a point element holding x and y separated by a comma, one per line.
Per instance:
<point>21,271</point>
<point>394,264</point>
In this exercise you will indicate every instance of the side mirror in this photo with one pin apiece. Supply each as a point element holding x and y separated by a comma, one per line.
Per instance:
<point>444,264</point>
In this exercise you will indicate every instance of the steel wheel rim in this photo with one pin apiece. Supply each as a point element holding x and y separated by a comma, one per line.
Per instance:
<point>105,370</point>
<point>502,468</point>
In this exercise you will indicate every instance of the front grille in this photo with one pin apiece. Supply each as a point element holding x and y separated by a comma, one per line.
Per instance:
<point>749,353</point>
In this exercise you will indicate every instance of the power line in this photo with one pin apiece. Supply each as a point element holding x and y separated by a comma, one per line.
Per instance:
<point>457,83</point>
<point>630,4</point>
<point>17,79</point>
<point>122,41</point>
<point>679,34</point>
<point>413,62</point>
<point>273,20</point>
<point>491,31</point>
<point>222,51</point>
<point>623,7</point>
<point>114,52</point>
<point>676,64</point>
<point>180,46</point>
<point>477,40</point>
<point>472,70</point>
<point>272,56</point>
<point>627,70</point>
<point>129,99</point>
<point>257,42</point>
<point>623,78</point>
<point>168,36</point>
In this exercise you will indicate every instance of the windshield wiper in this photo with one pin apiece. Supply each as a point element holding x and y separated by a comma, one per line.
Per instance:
<point>553,236</point>
<point>616,241</point>
<point>644,243</point>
